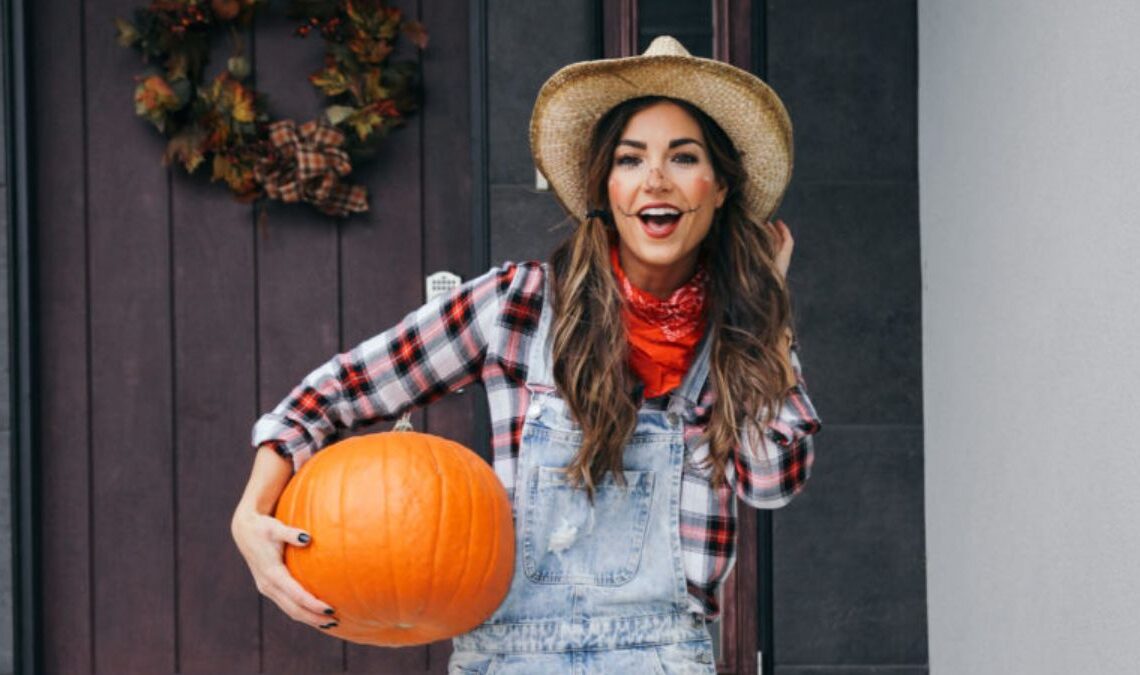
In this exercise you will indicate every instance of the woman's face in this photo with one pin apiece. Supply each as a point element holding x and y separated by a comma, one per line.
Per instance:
<point>663,194</point>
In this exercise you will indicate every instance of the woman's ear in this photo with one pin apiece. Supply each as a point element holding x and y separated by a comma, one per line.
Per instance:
<point>721,192</point>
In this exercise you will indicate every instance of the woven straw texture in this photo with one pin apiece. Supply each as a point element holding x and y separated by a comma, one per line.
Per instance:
<point>575,98</point>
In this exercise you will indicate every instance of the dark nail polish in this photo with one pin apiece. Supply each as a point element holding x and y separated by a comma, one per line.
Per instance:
<point>303,538</point>
<point>330,610</point>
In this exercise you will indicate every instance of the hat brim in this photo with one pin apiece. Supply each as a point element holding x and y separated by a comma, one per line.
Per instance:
<point>572,101</point>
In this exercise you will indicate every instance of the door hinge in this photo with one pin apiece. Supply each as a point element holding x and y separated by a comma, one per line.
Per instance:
<point>438,284</point>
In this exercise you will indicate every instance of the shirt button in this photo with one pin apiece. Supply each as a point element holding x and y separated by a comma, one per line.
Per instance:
<point>534,410</point>
<point>674,418</point>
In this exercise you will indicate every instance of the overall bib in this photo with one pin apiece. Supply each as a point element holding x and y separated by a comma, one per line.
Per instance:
<point>601,588</point>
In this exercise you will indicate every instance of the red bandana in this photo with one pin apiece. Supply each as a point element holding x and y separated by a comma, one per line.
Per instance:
<point>663,334</point>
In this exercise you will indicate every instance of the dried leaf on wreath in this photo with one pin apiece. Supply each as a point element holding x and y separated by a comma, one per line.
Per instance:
<point>153,99</point>
<point>128,34</point>
<point>415,31</point>
<point>373,90</point>
<point>338,113</point>
<point>177,66</point>
<point>369,49</point>
<point>364,122</point>
<point>187,148</point>
<point>390,25</point>
<point>331,81</point>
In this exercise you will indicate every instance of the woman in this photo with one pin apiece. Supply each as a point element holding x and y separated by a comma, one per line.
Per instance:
<point>604,370</point>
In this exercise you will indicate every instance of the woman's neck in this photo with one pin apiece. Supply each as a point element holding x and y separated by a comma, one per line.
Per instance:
<point>659,282</point>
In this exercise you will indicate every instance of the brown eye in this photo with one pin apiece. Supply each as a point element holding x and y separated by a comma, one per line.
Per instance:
<point>627,160</point>
<point>686,158</point>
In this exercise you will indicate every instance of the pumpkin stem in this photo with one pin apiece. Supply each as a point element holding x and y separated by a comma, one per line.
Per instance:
<point>404,423</point>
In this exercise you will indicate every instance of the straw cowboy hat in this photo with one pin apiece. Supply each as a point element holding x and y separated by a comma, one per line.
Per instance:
<point>575,98</point>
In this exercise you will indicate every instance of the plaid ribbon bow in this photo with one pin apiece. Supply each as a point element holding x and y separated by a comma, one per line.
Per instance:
<point>307,164</point>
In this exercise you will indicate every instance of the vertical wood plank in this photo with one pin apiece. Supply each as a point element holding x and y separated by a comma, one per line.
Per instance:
<point>381,281</point>
<point>447,202</point>
<point>132,460</point>
<point>216,397</point>
<point>297,296</point>
<point>60,208</point>
<point>447,182</point>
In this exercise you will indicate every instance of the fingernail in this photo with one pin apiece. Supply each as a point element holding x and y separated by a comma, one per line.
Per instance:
<point>303,538</point>
<point>329,610</point>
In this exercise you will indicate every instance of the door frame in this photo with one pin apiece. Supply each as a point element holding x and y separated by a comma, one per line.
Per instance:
<point>23,328</point>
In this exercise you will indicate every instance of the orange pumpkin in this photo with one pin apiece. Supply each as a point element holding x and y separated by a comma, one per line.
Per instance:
<point>412,537</point>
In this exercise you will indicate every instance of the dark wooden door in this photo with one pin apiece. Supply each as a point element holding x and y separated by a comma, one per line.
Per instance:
<point>168,324</point>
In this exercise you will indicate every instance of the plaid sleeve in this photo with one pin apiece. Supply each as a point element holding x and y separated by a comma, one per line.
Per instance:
<point>433,350</point>
<point>770,476</point>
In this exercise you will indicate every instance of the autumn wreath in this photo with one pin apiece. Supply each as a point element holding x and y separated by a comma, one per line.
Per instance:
<point>225,121</point>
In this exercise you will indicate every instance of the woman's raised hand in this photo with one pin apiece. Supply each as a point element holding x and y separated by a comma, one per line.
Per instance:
<point>785,243</point>
<point>262,539</point>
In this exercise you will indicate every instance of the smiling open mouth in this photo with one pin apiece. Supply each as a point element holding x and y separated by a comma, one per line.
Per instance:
<point>659,216</point>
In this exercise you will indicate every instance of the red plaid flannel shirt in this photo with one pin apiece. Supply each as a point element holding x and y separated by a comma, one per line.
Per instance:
<point>482,331</point>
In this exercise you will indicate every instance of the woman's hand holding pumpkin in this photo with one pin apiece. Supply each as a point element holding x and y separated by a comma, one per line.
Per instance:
<point>261,538</point>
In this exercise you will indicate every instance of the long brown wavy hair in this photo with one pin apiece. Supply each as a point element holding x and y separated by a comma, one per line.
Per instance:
<point>748,312</point>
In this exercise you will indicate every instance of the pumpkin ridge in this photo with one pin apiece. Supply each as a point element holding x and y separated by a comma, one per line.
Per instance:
<point>357,600</point>
<point>388,536</point>
<point>436,546</point>
<point>482,574</point>
<point>491,561</point>
<point>301,515</point>
<point>455,587</point>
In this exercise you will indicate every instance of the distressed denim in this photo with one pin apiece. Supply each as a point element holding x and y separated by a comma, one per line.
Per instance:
<point>597,588</point>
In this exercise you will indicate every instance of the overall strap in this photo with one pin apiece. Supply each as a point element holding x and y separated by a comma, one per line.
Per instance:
<point>539,360</point>
<point>690,389</point>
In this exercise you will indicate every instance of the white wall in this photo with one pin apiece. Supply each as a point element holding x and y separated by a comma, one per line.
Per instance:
<point>1029,167</point>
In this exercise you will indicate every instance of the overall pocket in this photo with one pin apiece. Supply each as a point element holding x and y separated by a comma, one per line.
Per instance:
<point>568,541</point>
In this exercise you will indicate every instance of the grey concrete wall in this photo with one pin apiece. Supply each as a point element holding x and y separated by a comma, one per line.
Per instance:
<point>1030,154</point>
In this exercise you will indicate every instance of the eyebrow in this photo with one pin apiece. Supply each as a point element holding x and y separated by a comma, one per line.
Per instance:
<point>640,145</point>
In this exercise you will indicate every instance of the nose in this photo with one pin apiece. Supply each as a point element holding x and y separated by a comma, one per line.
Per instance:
<point>655,180</point>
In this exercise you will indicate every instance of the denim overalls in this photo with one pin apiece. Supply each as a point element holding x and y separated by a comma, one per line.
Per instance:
<point>602,589</point>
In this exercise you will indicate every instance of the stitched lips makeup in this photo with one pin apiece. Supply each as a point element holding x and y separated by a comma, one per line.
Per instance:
<point>659,220</point>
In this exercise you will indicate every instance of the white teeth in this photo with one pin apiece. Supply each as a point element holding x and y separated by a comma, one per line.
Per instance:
<point>659,211</point>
